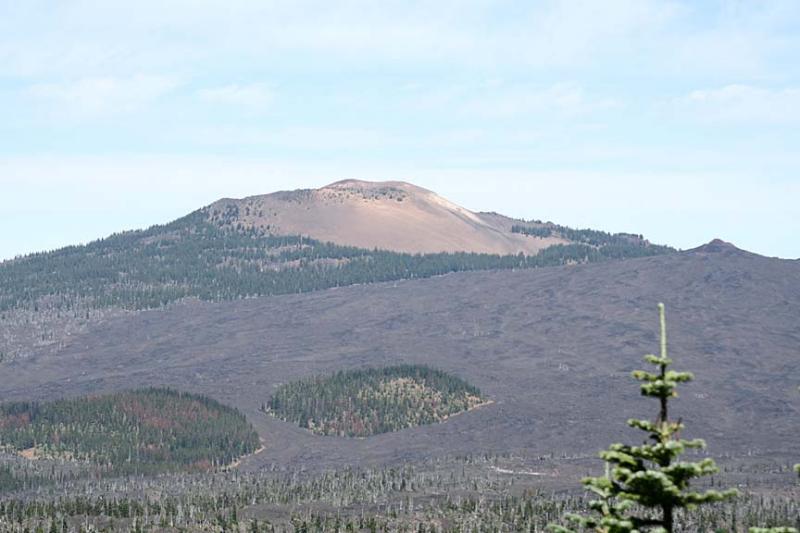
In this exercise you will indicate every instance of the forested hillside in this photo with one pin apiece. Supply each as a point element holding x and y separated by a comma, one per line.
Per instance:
<point>144,432</point>
<point>47,297</point>
<point>359,403</point>
<point>625,244</point>
<point>203,257</point>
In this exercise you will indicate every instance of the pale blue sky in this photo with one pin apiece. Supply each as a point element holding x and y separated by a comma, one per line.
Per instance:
<point>678,120</point>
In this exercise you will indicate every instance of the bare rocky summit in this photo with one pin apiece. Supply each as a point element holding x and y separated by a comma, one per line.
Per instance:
<point>390,215</point>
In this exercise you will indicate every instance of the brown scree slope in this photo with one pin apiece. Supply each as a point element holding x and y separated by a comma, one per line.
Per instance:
<point>388,215</point>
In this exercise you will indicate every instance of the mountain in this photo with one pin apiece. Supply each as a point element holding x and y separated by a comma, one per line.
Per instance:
<point>552,348</point>
<point>390,215</point>
<point>278,244</point>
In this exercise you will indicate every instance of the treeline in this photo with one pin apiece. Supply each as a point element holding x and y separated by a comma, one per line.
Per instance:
<point>193,257</point>
<point>359,403</point>
<point>146,431</point>
<point>588,236</point>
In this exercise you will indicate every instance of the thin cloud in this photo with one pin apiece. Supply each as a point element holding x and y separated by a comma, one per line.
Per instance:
<point>254,96</point>
<point>560,99</point>
<point>742,103</point>
<point>292,138</point>
<point>565,33</point>
<point>97,97</point>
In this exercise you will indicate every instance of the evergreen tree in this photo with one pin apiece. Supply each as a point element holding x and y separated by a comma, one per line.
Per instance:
<point>644,485</point>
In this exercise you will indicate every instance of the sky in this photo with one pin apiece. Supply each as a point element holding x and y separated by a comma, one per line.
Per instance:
<point>679,120</point>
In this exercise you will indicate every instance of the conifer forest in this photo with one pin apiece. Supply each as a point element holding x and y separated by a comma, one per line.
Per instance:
<point>366,402</point>
<point>138,432</point>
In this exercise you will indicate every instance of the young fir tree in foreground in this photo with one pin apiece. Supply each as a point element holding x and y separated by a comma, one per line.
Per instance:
<point>644,485</point>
